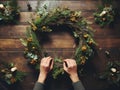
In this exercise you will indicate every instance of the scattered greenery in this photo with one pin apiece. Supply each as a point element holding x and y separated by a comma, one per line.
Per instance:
<point>9,12</point>
<point>112,73</point>
<point>10,74</point>
<point>43,22</point>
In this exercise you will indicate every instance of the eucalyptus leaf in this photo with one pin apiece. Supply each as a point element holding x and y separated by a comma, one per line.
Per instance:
<point>23,41</point>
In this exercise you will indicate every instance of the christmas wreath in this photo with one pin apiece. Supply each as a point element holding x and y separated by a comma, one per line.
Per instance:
<point>10,74</point>
<point>112,73</point>
<point>9,12</point>
<point>45,22</point>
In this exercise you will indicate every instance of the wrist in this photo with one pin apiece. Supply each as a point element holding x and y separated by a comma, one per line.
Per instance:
<point>74,78</point>
<point>42,78</point>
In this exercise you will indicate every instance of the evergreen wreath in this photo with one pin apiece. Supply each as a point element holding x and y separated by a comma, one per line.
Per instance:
<point>10,74</point>
<point>9,12</point>
<point>44,22</point>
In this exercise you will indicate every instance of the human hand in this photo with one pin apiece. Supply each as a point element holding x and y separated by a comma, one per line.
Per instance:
<point>70,67</point>
<point>46,65</point>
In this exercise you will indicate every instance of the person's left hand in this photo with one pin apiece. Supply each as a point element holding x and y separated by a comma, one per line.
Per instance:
<point>46,65</point>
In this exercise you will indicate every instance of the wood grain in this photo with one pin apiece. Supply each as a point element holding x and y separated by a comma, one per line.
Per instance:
<point>61,45</point>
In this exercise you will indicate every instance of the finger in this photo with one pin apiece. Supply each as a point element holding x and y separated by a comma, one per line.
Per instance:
<point>48,61</point>
<point>72,62</point>
<point>45,61</point>
<point>68,62</point>
<point>51,64</point>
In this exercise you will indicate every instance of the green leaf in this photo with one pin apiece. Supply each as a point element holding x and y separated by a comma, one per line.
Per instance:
<point>35,38</point>
<point>20,75</point>
<point>23,41</point>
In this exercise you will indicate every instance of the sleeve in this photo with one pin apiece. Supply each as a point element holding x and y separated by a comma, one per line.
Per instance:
<point>38,86</point>
<point>78,86</point>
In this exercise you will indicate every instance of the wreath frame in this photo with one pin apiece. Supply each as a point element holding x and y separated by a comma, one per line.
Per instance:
<point>42,20</point>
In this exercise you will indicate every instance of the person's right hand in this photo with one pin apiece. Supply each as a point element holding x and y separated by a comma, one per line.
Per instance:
<point>46,65</point>
<point>70,67</point>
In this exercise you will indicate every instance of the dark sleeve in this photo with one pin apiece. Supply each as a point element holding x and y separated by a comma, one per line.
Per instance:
<point>78,86</point>
<point>38,86</point>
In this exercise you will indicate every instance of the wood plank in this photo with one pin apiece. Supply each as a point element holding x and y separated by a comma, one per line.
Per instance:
<point>15,31</point>
<point>26,16</point>
<point>74,5</point>
<point>18,31</point>
<point>10,44</point>
<point>56,42</point>
<point>79,5</point>
<point>108,43</point>
<point>15,44</point>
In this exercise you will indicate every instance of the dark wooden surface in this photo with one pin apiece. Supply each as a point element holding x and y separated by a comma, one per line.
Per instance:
<point>11,49</point>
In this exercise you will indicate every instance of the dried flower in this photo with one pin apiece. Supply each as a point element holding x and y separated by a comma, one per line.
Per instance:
<point>35,57</point>
<point>33,47</point>
<point>13,69</point>
<point>73,19</point>
<point>103,13</point>
<point>84,48</point>
<point>1,6</point>
<point>103,19</point>
<point>113,70</point>
<point>83,60</point>
<point>44,28</point>
<point>86,35</point>
<point>8,75</point>
<point>13,80</point>
<point>33,62</point>
<point>3,70</point>
<point>26,49</point>
<point>29,39</point>
<point>33,26</point>
<point>90,42</point>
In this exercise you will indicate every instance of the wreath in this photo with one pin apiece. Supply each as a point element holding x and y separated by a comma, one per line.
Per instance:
<point>112,73</point>
<point>9,12</point>
<point>44,23</point>
<point>104,16</point>
<point>10,74</point>
<point>105,13</point>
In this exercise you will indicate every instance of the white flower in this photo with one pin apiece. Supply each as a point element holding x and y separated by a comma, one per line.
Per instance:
<point>103,13</point>
<point>35,57</point>
<point>8,75</point>
<point>1,6</point>
<point>113,70</point>
<point>13,69</point>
